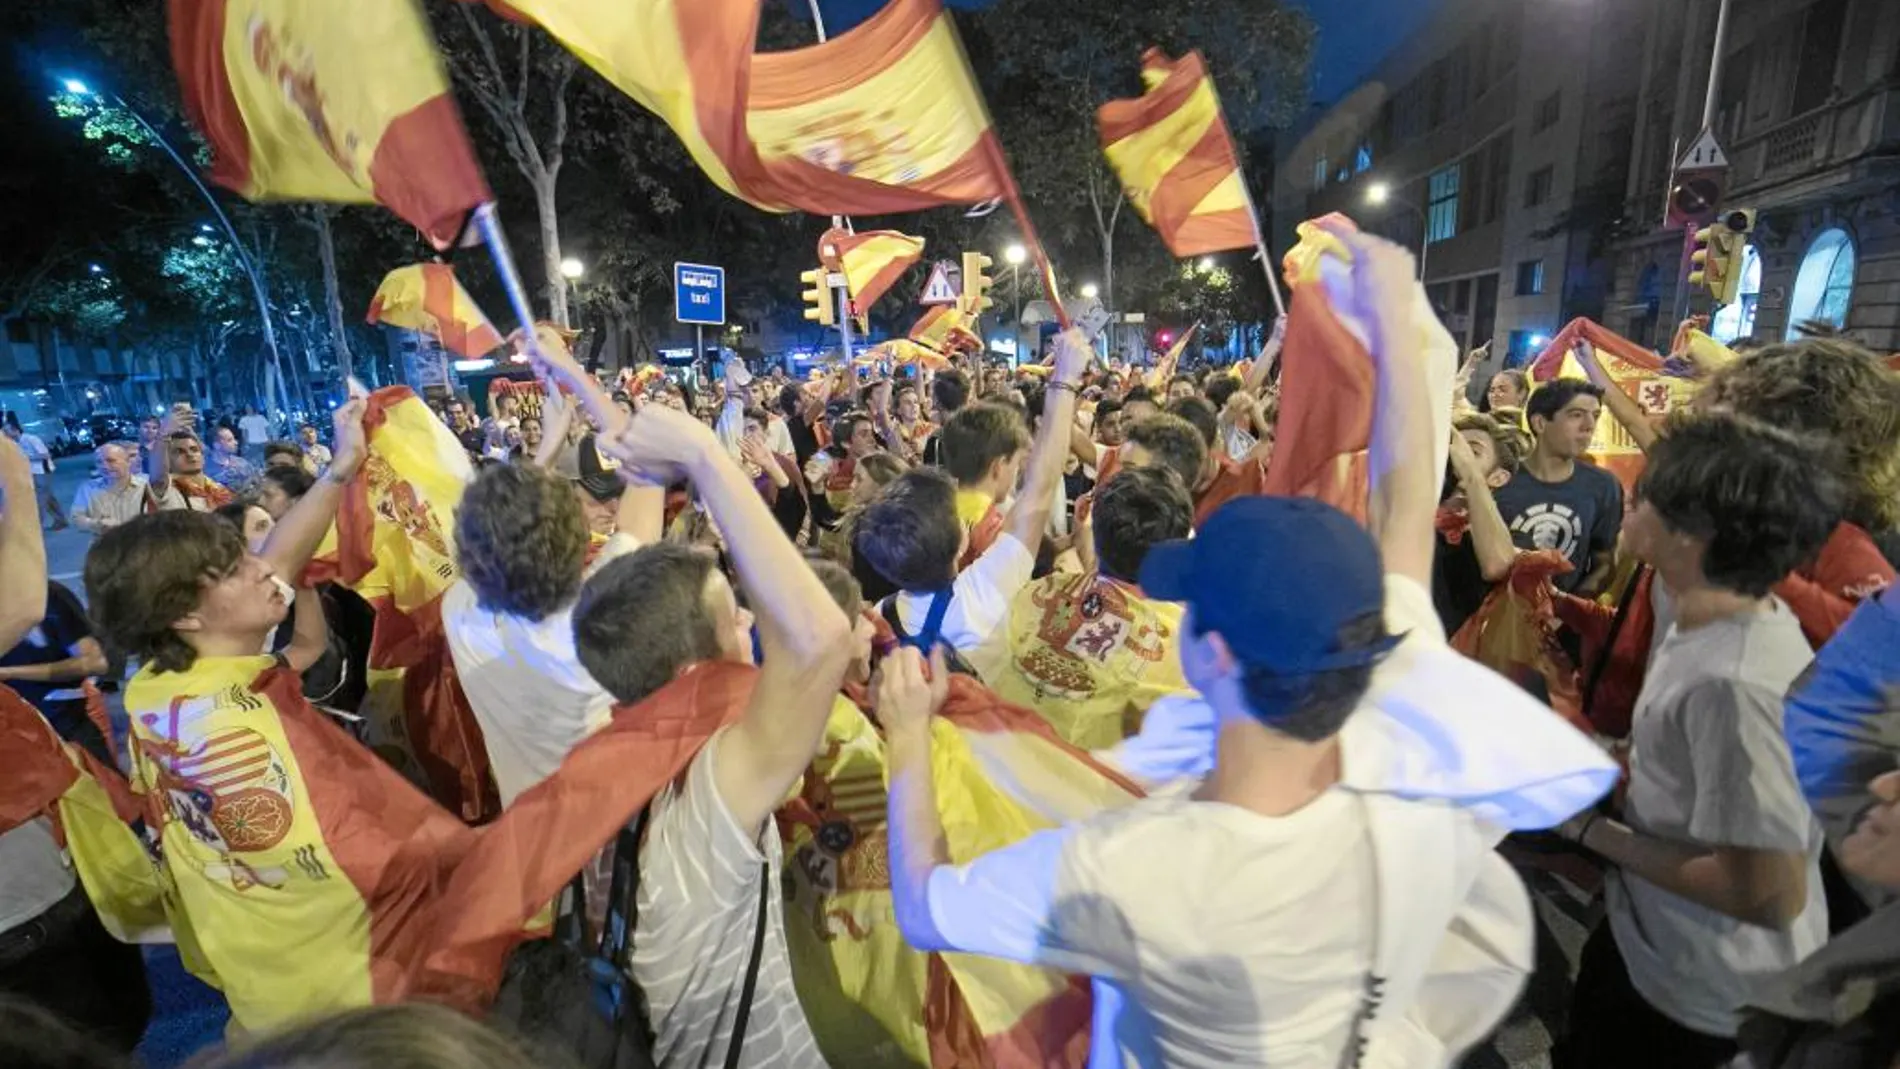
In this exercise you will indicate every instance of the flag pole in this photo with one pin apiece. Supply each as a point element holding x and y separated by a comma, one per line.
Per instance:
<point>1246,193</point>
<point>841,295</point>
<point>488,224</point>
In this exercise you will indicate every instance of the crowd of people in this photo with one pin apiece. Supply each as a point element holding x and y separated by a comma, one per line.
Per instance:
<point>1328,725</point>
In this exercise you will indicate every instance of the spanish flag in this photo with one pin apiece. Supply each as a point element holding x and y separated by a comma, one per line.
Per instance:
<point>946,329</point>
<point>333,100</point>
<point>1171,149</point>
<point>427,298</point>
<point>871,261</point>
<point>883,118</point>
<point>393,548</point>
<point>1635,370</point>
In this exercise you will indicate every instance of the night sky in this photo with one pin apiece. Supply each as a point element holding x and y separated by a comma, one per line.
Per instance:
<point>1353,34</point>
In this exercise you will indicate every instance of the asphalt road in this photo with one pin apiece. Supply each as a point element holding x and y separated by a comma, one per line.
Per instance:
<point>66,550</point>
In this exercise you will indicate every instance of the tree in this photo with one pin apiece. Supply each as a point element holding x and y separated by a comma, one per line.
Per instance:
<point>519,79</point>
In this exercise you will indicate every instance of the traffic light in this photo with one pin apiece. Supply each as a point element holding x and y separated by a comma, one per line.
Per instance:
<point>1709,261</point>
<point>820,306</point>
<point>1737,223</point>
<point>976,283</point>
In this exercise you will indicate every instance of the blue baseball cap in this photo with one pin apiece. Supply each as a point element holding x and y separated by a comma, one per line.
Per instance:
<point>1279,578</point>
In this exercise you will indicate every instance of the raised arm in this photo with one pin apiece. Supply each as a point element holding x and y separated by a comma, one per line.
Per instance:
<point>22,548</point>
<point>1622,406</point>
<point>805,636</point>
<point>296,537</point>
<point>1029,515</point>
<point>1490,538</point>
<point>1405,483</point>
<point>1263,364</point>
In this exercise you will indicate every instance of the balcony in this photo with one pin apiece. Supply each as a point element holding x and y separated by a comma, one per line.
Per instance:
<point>1806,145</point>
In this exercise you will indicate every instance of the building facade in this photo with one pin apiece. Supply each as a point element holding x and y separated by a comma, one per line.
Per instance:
<point>1527,147</point>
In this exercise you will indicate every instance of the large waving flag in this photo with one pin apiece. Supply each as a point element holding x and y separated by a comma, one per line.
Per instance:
<point>884,118</point>
<point>426,297</point>
<point>333,100</point>
<point>1171,149</point>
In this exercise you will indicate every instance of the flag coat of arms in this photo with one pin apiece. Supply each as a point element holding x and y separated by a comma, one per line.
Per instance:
<point>883,118</point>
<point>329,100</point>
<point>1171,149</point>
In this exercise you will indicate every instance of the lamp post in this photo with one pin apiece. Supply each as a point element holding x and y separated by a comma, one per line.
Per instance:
<point>245,261</point>
<point>1378,194</point>
<point>1014,257</point>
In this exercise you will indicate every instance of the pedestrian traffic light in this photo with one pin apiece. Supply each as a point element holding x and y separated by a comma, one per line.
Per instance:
<point>820,306</point>
<point>976,283</point>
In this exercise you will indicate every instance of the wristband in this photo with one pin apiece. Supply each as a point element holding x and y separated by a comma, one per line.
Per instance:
<point>1069,386</point>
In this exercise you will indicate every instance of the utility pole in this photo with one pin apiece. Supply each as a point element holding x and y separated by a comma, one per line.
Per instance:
<point>1711,102</point>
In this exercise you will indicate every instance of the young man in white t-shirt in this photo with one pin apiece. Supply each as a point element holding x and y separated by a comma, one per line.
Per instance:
<point>1298,908</point>
<point>40,460</point>
<point>521,539</point>
<point>911,536</point>
<point>1717,878</point>
<point>710,859</point>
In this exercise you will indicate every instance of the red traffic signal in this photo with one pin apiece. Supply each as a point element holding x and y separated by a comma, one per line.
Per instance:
<point>1166,337</point>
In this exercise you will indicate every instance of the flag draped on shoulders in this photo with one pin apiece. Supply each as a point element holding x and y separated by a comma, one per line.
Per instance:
<point>331,100</point>
<point>883,118</point>
<point>427,298</point>
<point>1171,149</point>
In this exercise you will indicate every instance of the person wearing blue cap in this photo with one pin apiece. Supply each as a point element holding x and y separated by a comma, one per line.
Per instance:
<point>1303,906</point>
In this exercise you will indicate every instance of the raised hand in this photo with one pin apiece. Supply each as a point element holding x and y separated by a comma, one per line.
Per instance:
<point>1073,354</point>
<point>660,445</point>
<point>906,698</point>
<point>352,447</point>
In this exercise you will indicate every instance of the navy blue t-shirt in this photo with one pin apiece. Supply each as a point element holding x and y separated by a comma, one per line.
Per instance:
<point>1578,517</point>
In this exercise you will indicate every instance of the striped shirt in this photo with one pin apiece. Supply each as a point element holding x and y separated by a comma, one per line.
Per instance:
<point>698,908</point>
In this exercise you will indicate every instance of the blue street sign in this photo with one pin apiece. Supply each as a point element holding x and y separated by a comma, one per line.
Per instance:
<point>699,294</point>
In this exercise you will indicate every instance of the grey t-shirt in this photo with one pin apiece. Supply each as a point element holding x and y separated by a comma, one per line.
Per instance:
<point>699,901</point>
<point>33,873</point>
<point>1578,517</point>
<point>1709,765</point>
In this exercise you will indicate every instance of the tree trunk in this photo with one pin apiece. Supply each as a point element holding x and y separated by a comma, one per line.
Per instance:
<point>333,301</point>
<point>551,250</point>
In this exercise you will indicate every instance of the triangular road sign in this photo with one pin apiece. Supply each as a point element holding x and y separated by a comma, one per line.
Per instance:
<point>1704,154</point>
<point>945,284</point>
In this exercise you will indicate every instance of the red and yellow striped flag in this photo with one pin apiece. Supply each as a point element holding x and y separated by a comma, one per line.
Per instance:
<point>332,100</point>
<point>1171,149</point>
<point>883,118</point>
<point>872,261</point>
<point>426,297</point>
<point>1638,372</point>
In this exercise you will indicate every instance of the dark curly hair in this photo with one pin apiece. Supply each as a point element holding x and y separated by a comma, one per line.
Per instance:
<point>1762,500</point>
<point>521,541</point>
<point>1830,388</point>
<point>1135,510</point>
<point>144,575</point>
<point>1173,443</point>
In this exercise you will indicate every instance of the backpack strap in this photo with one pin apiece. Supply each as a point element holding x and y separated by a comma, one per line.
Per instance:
<point>744,1015</point>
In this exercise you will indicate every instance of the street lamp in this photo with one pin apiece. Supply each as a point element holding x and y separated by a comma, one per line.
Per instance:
<point>1206,264</point>
<point>1014,257</point>
<point>572,269</point>
<point>249,265</point>
<point>1089,291</point>
<point>1379,194</point>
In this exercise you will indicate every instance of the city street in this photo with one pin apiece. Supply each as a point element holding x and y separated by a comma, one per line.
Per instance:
<point>66,550</point>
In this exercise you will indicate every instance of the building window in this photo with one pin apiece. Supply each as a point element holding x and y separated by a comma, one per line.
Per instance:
<point>1530,278</point>
<point>1362,159</point>
<point>1320,171</point>
<point>1737,319</point>
<point>1537,187</point>
<point>1825,283</point>
<point>1548,110</point>
<point>1441,217</point>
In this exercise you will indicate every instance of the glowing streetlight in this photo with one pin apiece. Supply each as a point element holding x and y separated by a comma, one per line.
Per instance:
<point>1378,193</point>
<point>572,269</point>
<point>1538,341</point>
<point>1015,255</point>
<point>201,241</point>
<point>1090,291</point>
<point>76,87</point>
<point>1206,264</point>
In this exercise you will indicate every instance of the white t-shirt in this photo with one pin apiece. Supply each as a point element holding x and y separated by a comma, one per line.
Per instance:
<point>979,604</point>
<point>698,913</point>
<point>256,429</point>
<point>1217,937</point>
<point>525,683</point>
<point>39,459</point>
